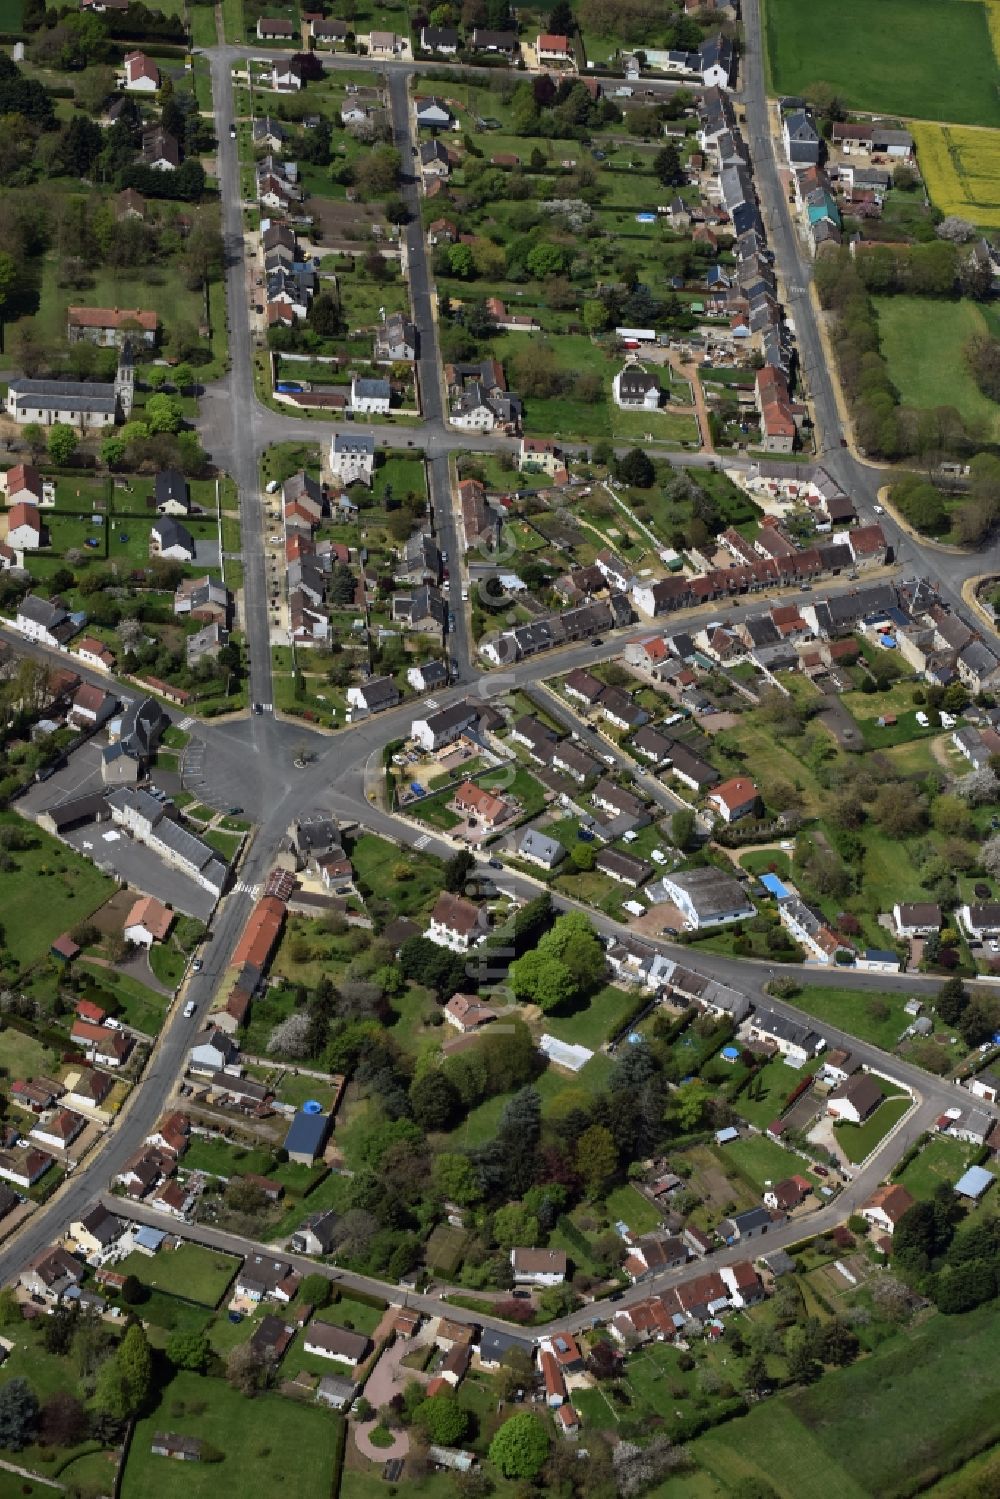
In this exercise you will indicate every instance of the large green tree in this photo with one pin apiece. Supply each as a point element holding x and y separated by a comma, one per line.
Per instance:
<point>62,443</point>
<point>520,1447</point>
<point>441,1419</point>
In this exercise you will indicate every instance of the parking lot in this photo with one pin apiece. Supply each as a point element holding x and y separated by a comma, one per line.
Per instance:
<point>108,847</point>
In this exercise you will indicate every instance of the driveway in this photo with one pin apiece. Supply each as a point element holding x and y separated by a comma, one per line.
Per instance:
<point>387,1379</point>
<point>399,1447</point>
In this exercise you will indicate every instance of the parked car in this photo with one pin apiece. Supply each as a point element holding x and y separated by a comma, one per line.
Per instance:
<point>189,1009</point>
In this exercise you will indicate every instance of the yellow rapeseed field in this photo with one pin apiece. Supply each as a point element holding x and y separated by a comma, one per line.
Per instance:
<point>961,165</point>
<point>993,18</point>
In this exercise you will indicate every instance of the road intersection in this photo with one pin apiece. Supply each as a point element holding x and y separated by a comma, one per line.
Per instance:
<point>253,759</point>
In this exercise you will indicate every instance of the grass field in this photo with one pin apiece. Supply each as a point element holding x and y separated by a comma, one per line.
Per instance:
<point>49,890</point>
<point>162,289</point>
<point>761,1160</point>
<point>270,1445</point>
<point>945,71</point>
<point>23,1056</point>
<point>941,1160</point>
<point>378,864</point>
<point>140,1006</point>
<point>923,341</point>
<point>634,1209</point>
<point>595,1021</point>
<point>961,167</point>
<point>851,1010</point>
<point>189,1271</point>
<point>763,1101</point>
<point>886,1426</point>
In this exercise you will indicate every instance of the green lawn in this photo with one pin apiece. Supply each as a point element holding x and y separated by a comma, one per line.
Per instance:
<point>23,1056</point>
<point>481,1123</point>
<point>852,1010</point>
<point>941,1160</point>
<point>946,70</point>
<point>409,882</point>
<point>760,1160</point>
<point>434,810</point>
<point>923,342</point>
<point>49,890</point>
<point>857,1141</point>
<point>270,1445</point>
<point>641,1215</point>
<point>767,860</point>
<point>190,1271</point>
<point>594,1022</point>
<point>354,1315</point>
<point>140,1006</point>
<point>762,1100</point>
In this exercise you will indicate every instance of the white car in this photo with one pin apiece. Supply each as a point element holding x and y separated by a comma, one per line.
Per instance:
<point>948,720</point>
<point>274,486</point>
<point>274,541</point>
<point>189,1009</point>
<point>923,720</point>
<point>878,509</point>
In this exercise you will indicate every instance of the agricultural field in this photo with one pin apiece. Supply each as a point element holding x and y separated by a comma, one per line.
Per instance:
<point>924,341</point>
<point>884,1427</point>
<point>961,169</point>
<point>946,70</point>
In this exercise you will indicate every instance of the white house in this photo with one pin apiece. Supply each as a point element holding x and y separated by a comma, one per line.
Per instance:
<point>538,1267</point>
<point>370,397</point>
<point>352,457</point>
<point>443,727</point>
<point>636,389</point>
<point>553,49</point>
<point>708,897</point>
<point>329,1341</point>
<point>213,1051</point>
<point>24,483</point>
<point>142,76</point>
<point>148,921</point>
<point>39,619</point>
<point>433,113</point>
<point>916,918</point>
<point>886,1207</point>
<point>457,923</point>
<point>797,1043</point>
<point>986,1085</point>
<point>373,696</point>
<point>168,538</point>
<point>24,527</point>
<point>981,921</point>
<point>734,799</point>
<point>94,653</point>
<point>287,74</point>
<point>854,1100</point>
